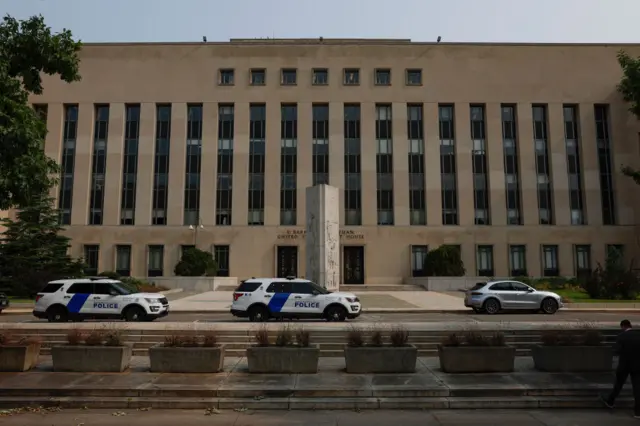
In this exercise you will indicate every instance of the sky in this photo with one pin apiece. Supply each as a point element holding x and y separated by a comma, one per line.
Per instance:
<point>572,21</point>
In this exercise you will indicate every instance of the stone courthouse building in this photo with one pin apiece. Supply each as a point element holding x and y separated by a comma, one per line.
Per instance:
<point>511,151</point>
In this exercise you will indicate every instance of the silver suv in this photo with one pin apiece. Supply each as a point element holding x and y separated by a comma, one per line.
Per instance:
<point>494,296</point>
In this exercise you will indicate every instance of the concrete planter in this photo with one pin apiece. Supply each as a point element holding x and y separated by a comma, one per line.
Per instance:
<point>381,359</point>
<point>283,360</point>
<point>186,360</point>
<point>91,359</point>
<point>476,359</point>
<point>572,358</point>
<point>19,358</point>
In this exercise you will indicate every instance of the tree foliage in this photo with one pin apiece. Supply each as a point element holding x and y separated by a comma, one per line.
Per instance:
<point>196,263</point>
<point>629,88</point>
<point>445,261</point>
<point>32,251</point>
<point>28,49</point>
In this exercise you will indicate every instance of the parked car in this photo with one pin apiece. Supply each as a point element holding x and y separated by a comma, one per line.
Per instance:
<point>4,302</point>
<point>494,296</point>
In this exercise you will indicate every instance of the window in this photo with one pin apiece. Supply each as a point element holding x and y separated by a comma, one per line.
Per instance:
<point>484,260</point>
<point>550,261</point>
<point>224,187</point>
<point>605,164</point>
<point>51,288</point>
<point>221,256</point>
<point>91,259</point>
<point>288,163</point>
<point>352,165</point>
<point>574,168</point>
<point>257,151</point>
<point>155,261</point>
<point>414,77</point>
<point>449,191</point>
<point>104,289</point>
<point>81,288</point>
<point>418,257</point>
<point>503,286</point>
<point>511,165</point>
<point>582,259</point>
<point>248,286</point>
<point>123,260</point>
<point>515,286</point>
<point>98,164</point>
<point>67,163</point>
<point>161,165</point>
<point>540,139</point>
<point>226,77</point>
<point>257,77</point>
<point>518,260</point>
<point>320,148</point>
<point>320,77</point>
<point>130,165</point>
<point>479,166</point>
<point>289,77</point>
<point>193,165</point>
<point>351,76</point>
<point>383,77</point>
<point>280,287</point>
<point>417,192</point>
<point>384,164</point>
<point>303,288</point>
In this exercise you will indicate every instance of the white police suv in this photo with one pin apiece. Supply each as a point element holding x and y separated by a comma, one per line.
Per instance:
<point>262,298</point>
<point>97,298</point>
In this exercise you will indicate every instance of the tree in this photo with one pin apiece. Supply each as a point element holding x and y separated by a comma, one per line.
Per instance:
<point>629,88</point>
<point>445,261</point>
<point>32,252</point>
<point>196,263</point>
<point>27,49</point>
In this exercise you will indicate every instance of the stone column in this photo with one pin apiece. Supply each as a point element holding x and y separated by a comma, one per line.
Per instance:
<point>323,236</point>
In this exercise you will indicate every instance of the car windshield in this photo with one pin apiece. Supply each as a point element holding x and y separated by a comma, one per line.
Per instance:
<point>319,289</point>
<point>123,289</point>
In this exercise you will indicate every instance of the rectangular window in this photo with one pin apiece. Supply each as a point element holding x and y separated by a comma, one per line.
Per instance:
<point>320,149</point>
<point>193,165</point>
<point>582,259</point>
<point>67,163</point>
<point>448,177</point>
<point>258,77</point>
<point>130,165</point>
<point>615,253</point>
<point>123,260</point>
<point>156,261</point>
<point>543,173</point>
<point>384,164</point>
<point>257,150</point>
<point>518,260</point>
<point>418,256</point>
<point>224,178</point>
<point>574,167</point>
<point>98,164</point>
<point>289,77</point>
<point>383,77</point>
<point>484,260</point>
<point>417,194</point>
<point>414,77</point>
<point>605,164</point>
<point>511,167</point>
<point>351,76</point>
<point>352,166</point>
<point>320,77</point>
<point>221,256</point>
<point>288,163</point>
<point>226,77</point>
<point>161,165</point>
<point>550,261</point>
<point>479,166</point>
<point>91,259</point>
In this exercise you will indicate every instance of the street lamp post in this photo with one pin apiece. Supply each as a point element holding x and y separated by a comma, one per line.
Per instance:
<point>195,231</point>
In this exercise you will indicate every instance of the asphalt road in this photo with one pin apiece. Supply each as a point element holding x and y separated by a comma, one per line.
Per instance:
<point>398,317</point>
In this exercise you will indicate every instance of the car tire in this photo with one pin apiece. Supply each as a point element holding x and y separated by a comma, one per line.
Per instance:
<point>134,314</point>
<point>549,306</point>
<point>336,314</point>
<point>57,314</point>
<point>491,306</point>
<point>258,314</point>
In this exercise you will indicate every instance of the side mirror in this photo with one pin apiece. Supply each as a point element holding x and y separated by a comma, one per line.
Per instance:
<point>531,290</point>
<point>315,293</point>
<point>113,293</point>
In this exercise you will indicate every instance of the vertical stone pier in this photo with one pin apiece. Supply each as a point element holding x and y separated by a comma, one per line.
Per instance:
<point>323,236</point>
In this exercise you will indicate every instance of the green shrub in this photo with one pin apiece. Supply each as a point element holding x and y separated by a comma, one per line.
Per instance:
<point>445,261</point>
<point>196,263</point>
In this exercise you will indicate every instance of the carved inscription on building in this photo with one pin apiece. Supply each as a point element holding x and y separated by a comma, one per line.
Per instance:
<point>295,234</point>
<point>348,234</point>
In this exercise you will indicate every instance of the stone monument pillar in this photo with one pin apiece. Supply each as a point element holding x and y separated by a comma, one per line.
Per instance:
<point>323,236</point>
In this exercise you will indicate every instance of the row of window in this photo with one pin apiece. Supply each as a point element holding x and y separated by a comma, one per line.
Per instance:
<point>518,259</point>
<point>320,77</point>
<point>352,180</point>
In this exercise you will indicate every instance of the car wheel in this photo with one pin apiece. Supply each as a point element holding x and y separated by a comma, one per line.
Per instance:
<point>134,314</point>
<point>258,314</point>
<point>549,306</point>
<point>336,314</point>
<point>491,306</point>
<point>57,314</point>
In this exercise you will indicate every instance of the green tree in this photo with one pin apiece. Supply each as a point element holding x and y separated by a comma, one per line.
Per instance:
<point>196,263</point>
<point>445,261</point>
<point>629,88</point>
<point>32,251</point>
<point>28,49</point>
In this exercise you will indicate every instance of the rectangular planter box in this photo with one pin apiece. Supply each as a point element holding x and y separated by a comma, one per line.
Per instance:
<point>382,359</point>
<point>91,359</point>
<point>572,358</point>
<point>476,359</point>
<point>283,360</point>
<point>186,360</point>
<point>19,358</point>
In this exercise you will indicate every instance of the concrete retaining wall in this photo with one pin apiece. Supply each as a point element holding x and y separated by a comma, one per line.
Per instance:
<point>446,283</point>
<point>199,284</point>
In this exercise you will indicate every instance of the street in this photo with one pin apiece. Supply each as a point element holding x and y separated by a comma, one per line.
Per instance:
<point>240,417</point>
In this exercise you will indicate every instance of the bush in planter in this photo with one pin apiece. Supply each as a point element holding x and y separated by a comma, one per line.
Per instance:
<point>377,357</point>
<point>196,263</point>
<point>18,353</point>
<point>99,350</point>
<point>188,353</point>
<point>292,352</point>
<point>445,261</point>
<point>476,352</point>
<point>571,350</point>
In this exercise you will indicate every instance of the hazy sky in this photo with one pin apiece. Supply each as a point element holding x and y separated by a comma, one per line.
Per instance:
<point>420,20</point>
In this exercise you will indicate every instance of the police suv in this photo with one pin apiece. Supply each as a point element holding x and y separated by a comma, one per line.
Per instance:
<point>262,298</point>
<point>97,298</point>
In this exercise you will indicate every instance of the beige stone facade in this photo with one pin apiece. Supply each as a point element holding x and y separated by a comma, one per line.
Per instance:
<point>392,77</point>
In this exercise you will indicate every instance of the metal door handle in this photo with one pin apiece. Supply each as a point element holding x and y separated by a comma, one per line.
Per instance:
<point>96,298</point>
<point>297,297</point>
<point>267,295</point>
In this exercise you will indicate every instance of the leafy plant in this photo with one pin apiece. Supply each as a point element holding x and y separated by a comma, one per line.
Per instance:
<point>375,336</point>
<point>583,335</point>
<point>355,336</point>
<point>209,339</point>
<point>261,335</point>
<point>452,339</point>
<point>612,281</point>
<point>196,263</point>
<point>95,338</point>
<point>445,261</point>
<point>75,337</point>
<point>399,336</point>
<point>284,336</point>
<point>475,338</point>
<point>303,337</point>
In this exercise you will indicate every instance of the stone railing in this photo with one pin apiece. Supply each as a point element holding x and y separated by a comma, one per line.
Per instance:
<point>200,284</point>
